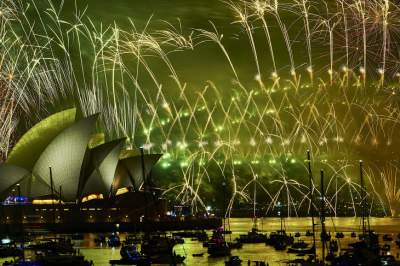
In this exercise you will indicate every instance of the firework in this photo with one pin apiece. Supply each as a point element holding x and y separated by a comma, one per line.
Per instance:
<point>309,90</point>
<point>389,177</point>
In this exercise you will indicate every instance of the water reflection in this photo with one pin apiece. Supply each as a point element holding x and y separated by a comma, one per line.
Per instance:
<point>101,254</point>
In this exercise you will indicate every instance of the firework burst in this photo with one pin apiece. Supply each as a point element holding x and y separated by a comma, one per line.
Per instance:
<point>308,90</point>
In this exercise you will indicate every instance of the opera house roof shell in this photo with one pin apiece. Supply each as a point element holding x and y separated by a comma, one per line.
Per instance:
<point>54,156</point>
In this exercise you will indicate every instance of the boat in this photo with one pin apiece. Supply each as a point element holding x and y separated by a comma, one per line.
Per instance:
<point>353,234</point>
<point>330,257</point>
<point>309,233</point>
<point>333,246</point>
<point>355,258</point>
<point>114,241</point>
<point>200,235</point>
<point>52,260</point>
<point>311,189</point>
<point>63,260</point>
<point>388,260</point>
<point>159,249</point>
<point>300,247</point>
<point>49,254</point>
<point>368,235</point>
<point>121,262</point>
<point>178,240</point>
<point>366,243</point>
<point>100,239</point>
<point>219,250</point>
<point>9,249</point>
<point>131,256</point>
<point>327,242</point>
<point>170,259</point>
<point>310,261</point>
<point>132,240</point>
<point>367,240</point>
<point>325,236</point>
<point>280,245</point>
<point>302,251</point>
<point>157,243</point>
<point>77,236</point>
<point>259,263</point>
<point>233,261</point>
<point>278,238</point>
<point>20,263</point>
<point>366,251</point>
<point>297,234</point>
<point>53,245</point>
<point>185,234</point>
<point>312,258</point>
<point>339,235</point>
<point>235,245</point>
<point>363,257</point>
<point>217,246</point>
<point>385,247</point>
<point>387,237</point>
<point>198,254</point>
<point>299,244</point>
<point>253,237</point>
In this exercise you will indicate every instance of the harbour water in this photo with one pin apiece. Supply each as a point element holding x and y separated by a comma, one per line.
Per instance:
<point>100,254</point>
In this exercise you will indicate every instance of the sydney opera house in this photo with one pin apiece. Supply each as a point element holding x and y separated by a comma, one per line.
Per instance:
<point>61,174</point>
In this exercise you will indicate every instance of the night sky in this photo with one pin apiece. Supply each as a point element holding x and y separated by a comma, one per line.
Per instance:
<point>226,91</point>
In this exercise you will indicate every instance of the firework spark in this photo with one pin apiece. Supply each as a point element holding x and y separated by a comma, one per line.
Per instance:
<point>248,130</point>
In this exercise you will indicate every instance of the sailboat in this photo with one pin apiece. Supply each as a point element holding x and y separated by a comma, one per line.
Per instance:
<point>296,248</point>
<point>366,250</point>
<point>156,246</point>
<point>311,260</point>
<point>312,249</point>
<point>280,240</point>
<point>253,236</point>
<point>324,236</point>
<point>217,246</point>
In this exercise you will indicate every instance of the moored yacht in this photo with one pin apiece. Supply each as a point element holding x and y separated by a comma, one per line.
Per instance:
<point>217,246</point>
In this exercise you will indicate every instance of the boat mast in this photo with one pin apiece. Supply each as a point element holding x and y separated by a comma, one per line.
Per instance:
<point>362,199</point>
<point>52,195</point>
<point>281,208</point>
<point>322,214</point>
<point>20,208</point>
<point>311,200</point>
<point>281,214</point>
<point>365,217</point>
<point>143,168</point>
<point>59,202</point>
<point>224,210</point>
<point>254,204</point>
<point>144,189</point>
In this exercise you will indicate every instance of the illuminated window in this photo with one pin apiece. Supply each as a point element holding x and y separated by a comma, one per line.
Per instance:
<point>92,197</point>
<point>45,201</point>
<point>121,191</point>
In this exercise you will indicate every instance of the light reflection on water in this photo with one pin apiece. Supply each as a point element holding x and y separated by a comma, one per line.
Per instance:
<point>261,252</point>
